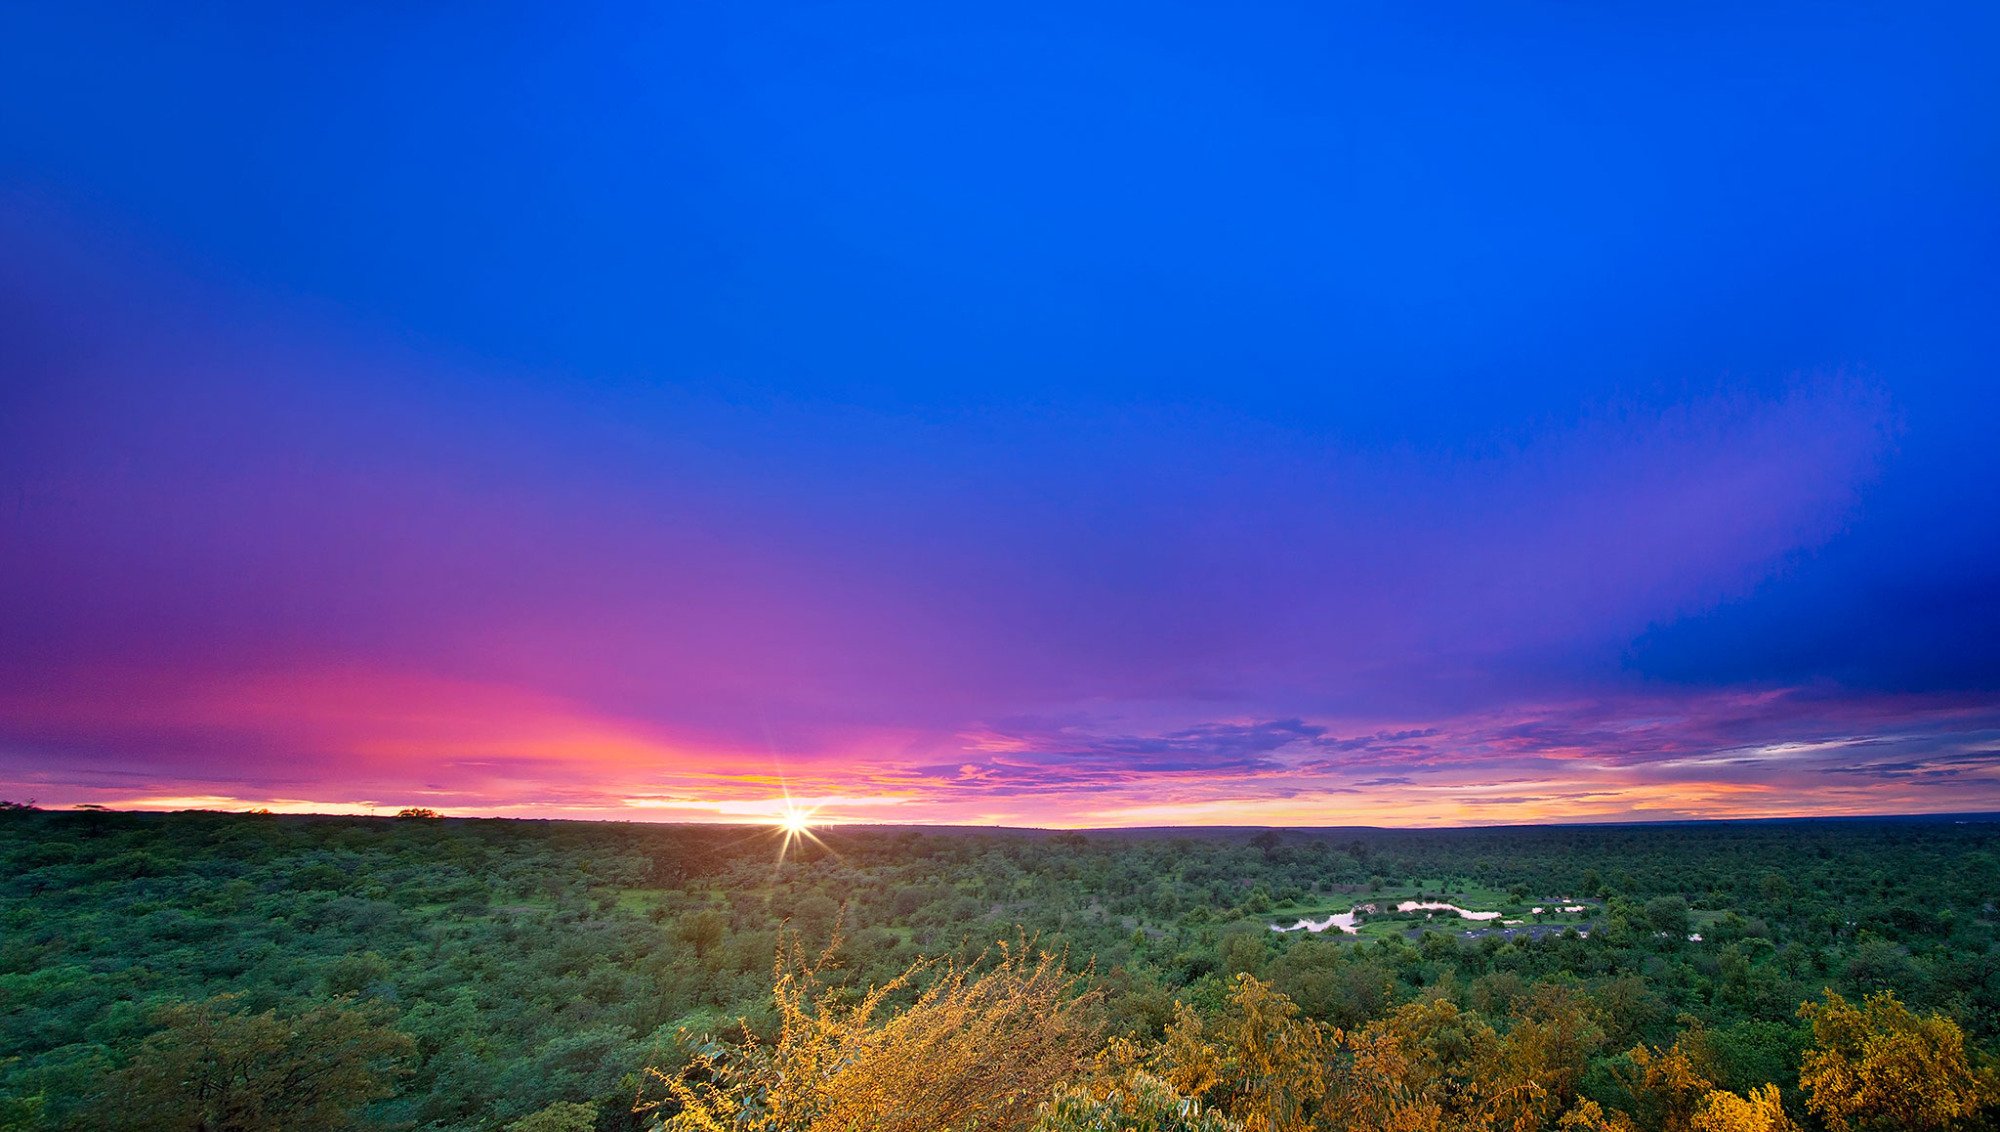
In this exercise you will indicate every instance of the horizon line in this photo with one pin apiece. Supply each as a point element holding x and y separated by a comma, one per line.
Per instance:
<point>1960,817</point>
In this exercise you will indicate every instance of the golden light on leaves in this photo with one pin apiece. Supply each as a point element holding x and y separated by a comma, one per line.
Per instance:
<point>1016,1044</point>
<point>944,1045</point>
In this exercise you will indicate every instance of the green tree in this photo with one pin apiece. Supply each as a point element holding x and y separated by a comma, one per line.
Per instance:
<point>703,931</point>
<point>562,1116</point>
<point>1668,914</point>
<point>214,1068</point>
<point>21,1114</point>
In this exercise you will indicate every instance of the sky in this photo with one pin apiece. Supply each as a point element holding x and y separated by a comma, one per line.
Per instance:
<point>1059,415</point>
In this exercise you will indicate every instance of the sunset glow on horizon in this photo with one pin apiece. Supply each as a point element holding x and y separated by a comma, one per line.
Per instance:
<point>678,420</point>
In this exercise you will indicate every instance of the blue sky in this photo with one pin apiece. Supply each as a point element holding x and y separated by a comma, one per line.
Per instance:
<point>873,391</point>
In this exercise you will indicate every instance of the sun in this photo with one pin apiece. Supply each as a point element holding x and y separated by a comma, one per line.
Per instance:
<point>795,823</point>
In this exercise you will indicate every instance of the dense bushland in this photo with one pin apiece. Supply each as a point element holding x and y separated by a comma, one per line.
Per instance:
<point>212,970</point>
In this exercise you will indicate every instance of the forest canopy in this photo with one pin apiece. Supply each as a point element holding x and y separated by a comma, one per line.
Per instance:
<point>221,971</point>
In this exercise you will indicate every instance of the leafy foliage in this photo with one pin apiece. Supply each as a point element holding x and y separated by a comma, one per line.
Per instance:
<point>1140,1103</point>
<point>537,968</point>
<point>1762,1111</point>
<point>562,1116</point>
<point>978,1049</point>
<point>1880,1066</point>
<point>215,1068</point>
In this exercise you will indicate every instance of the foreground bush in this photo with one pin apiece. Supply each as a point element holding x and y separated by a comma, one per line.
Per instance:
<point>1880,1066</point>
<point>1144,1103</point>
<point>978,1050</point>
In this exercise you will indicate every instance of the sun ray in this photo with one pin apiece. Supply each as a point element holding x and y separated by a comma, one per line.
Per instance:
<point>795,824</point>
